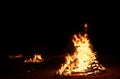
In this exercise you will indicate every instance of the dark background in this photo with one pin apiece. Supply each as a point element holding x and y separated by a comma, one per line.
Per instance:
<point>48,29</point>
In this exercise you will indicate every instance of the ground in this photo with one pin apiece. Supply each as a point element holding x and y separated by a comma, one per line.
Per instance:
<point>13,69</point>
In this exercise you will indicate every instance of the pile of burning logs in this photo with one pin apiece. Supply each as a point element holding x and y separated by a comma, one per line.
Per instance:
<point>92,69</point>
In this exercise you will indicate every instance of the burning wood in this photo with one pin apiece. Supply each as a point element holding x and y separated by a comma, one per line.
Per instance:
<point>36,58</point>
<point>83,61</point>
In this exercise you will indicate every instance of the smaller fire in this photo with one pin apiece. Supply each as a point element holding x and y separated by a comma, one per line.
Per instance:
<point>36,58</point>
<point>16,56</point>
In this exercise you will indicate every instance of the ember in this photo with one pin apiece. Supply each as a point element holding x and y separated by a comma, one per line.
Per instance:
<point>16,56</point>
<point>83,61</point>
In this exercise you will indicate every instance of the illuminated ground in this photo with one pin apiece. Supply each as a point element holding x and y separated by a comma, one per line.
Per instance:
<point>47,69</point>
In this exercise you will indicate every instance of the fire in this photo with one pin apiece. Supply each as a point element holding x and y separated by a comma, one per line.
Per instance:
<point>36,58</point>
<point>83,61</point>
<point>16,56</point>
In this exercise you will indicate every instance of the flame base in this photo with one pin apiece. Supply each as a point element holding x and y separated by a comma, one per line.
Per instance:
<point>94,69</point>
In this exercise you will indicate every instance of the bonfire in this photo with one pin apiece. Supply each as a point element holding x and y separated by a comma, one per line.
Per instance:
<point>83,61</point>
<point>36,58</point>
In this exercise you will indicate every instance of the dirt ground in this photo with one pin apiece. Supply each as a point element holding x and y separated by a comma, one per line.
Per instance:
<point>16,69</point>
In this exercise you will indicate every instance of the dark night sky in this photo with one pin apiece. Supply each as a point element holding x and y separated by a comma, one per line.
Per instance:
<point>51,28</point>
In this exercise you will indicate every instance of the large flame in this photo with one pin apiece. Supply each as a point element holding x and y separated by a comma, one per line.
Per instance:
<point>36,58</point>
<point>83,57</point>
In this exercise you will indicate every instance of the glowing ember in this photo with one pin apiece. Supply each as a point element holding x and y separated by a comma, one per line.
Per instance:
<point>83,61</point>
<point>36,58</point>
<point>16,56</point>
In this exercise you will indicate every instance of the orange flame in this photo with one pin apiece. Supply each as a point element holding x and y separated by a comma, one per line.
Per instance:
<point>16,56</point>
<point>36,58</point>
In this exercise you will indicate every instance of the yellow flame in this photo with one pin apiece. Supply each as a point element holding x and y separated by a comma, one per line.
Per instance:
<point>36,58</point>
<point>83,53</point>
<point>82,57</point>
